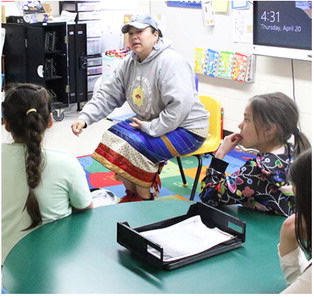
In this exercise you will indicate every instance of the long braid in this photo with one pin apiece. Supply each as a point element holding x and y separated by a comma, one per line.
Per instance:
<point>34,129</point>
<point>27,109</point>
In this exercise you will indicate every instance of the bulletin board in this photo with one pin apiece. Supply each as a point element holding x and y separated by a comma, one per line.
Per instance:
<point>229,33</point>
<point>190,22</point>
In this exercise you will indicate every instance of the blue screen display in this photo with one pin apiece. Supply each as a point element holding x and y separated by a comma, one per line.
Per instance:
<point>283,24</point>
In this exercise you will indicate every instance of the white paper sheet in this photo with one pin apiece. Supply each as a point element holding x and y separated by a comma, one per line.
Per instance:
<point>184,239</point>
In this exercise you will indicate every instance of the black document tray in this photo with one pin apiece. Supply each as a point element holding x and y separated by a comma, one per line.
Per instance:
<point>210,216</point>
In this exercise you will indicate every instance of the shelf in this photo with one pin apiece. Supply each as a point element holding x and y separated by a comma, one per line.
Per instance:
<point>43,61</point>
<point>55,53</point>
<point>53,78</point>
<point>89,14</point>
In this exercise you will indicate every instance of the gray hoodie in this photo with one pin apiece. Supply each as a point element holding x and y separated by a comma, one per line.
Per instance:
<point>160,90</point>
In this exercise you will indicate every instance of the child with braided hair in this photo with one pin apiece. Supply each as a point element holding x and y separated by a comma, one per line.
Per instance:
<point>38,185</point>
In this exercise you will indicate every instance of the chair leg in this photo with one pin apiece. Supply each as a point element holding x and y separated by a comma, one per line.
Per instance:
<point>197,176</point>
<point>182,172</point>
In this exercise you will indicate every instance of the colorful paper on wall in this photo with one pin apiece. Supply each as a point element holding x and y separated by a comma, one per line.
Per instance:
<point>199,60</point>
<point>229,65</point>
<point>211,62</point>
<point>249,77</point>
<point>186,4</point>
<point>240,63</point>
<point>225,64</point>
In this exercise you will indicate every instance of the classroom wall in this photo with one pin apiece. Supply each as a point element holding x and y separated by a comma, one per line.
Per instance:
<point>184,26</point>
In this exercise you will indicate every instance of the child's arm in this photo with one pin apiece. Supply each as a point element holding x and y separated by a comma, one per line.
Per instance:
<point>79,193</point>
<point>292,259</point>
<point>217,188</point>
<point>255,185</point>
<point>82,209</point>
<point>288,241</point>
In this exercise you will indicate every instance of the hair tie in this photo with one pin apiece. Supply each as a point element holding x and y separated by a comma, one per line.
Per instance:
<point>296,132</point>
<point>31,110</point>
<point>30,189</point>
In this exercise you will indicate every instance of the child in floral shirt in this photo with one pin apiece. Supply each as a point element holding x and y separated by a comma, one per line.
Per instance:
<point>269,122</point>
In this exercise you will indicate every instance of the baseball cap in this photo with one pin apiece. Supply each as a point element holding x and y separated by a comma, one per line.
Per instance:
<point>141,21</point>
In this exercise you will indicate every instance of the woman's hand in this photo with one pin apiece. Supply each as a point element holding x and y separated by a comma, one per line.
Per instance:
<point>288,241</point>
<point>136,123</point>
<point>228,144</point>
<point>77,127</point>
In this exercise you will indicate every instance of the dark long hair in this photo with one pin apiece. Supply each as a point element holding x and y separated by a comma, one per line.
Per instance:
<point>26,108</point>
<point>279,109</point>
<point>301,178</point>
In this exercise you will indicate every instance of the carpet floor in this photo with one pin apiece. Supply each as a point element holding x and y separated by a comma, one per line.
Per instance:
<point>172,188</point>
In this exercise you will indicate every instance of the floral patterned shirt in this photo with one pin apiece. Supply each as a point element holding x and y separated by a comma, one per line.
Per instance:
<point>261,183</point>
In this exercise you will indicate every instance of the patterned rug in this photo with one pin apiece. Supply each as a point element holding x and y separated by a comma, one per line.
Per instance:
<point>172,188</point>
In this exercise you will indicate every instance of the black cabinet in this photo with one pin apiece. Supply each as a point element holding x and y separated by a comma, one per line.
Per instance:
<point>89,13</point>
<point>37,53</point>
<point>77,61</point>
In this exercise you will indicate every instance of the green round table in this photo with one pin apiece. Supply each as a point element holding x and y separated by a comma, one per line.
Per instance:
<point>80,254</point>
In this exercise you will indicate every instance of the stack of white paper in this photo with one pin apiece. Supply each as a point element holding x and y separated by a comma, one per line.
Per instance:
<point>184,239</point>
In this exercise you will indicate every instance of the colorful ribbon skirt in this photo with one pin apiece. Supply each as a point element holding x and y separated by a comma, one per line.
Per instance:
<point>137,156</point>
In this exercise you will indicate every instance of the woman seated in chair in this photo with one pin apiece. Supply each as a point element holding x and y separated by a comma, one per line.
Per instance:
<point>159,86</point>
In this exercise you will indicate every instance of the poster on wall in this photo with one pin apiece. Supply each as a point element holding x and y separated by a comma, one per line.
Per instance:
<point>242,26</point>
<point>220,5</point>
<point>208,15</point>
<point>238,4</point>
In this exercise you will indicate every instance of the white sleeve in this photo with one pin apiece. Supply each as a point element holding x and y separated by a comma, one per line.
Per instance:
<point>302,285</point>
<point>293,264</point>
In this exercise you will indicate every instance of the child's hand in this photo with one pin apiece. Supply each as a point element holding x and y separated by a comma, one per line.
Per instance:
<point>228,144</point>
<point>136,123</point>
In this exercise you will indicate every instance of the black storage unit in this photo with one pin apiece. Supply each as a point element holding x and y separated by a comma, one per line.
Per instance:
<point>77,61</point>
<point>37,53</point>
<point>89,13</point>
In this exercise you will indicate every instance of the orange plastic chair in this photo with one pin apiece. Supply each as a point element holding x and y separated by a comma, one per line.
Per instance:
<point>211,143</point>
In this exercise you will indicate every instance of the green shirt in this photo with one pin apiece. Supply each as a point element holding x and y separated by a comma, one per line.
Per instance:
<point>63,185</point>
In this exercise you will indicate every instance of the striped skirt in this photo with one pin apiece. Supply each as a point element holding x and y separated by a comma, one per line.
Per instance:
<point>138,157</point>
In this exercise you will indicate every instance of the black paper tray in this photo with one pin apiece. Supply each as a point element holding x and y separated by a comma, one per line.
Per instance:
<point>210,216</point>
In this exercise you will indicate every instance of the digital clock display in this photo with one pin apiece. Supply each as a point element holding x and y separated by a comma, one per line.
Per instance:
<point>283,24</point>
<point>270,16</point>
